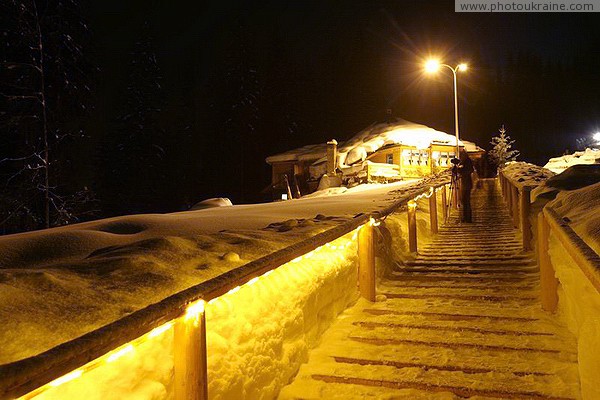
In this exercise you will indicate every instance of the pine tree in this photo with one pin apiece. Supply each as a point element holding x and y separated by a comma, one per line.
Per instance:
<point>501,151</point>
<point>133,156</point>
<point>45,89</point>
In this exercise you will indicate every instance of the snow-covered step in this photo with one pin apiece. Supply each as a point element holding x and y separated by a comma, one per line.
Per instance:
<point>422,383</point>
<point>461,320</point>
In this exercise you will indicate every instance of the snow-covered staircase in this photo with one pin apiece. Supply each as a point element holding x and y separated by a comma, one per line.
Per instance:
<point>461,321</point>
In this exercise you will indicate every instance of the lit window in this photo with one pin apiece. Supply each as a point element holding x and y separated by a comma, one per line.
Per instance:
<point>389,158</point>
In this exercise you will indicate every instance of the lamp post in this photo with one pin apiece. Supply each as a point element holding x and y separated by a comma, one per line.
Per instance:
<point>432,66</point>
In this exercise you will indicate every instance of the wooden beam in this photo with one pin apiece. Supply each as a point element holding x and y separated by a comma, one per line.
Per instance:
<point>515,205</point>
<point>366,262</point>
<point>433,220</point>
<point>190,379</point>
<point>525,209</point>
<point>444,203</point>
<point>548,282</point>
<point>412,226</point>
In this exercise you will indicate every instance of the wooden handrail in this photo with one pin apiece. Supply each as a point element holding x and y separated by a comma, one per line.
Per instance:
<point>23,376</point>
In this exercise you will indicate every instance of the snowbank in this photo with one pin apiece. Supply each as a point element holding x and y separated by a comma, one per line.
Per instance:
<point>525,174</point>
<point>257,337</point>
<point>559,164</point>
<point>581,209</point>
<point>59,284</point>
<point>579,301</point>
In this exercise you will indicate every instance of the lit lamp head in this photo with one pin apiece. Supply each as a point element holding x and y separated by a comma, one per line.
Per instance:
<point>432,66</point>
<point>597,137</point>
<point>462,67</point>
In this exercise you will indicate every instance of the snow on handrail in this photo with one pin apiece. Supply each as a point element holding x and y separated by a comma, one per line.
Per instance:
<point>24,376</point>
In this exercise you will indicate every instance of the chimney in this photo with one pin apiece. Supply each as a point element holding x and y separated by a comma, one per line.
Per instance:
<point>331,157</point>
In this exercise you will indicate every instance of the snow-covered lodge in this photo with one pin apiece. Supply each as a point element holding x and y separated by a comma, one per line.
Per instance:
<point>382,152</point>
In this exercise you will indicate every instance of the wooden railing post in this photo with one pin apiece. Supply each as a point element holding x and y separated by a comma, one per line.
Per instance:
<point>525,209</point>
<point>412,226</point>
<point>444,203</point>
<point>515,204</point>
<point>508,197</point>
<point>433,220</point>
<point>190,364</point>
<point>366,262</point>
<point>548,282</point>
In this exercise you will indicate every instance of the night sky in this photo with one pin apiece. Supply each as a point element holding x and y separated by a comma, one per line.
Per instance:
<point>244,80</point>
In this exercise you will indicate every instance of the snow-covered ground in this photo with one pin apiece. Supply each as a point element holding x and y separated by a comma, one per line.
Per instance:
<point>579,300</point>
<point>559,164</point>
<point>58,284</point>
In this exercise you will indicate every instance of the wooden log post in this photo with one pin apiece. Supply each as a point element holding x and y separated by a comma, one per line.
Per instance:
<point>548,282</point>
<point>412,226</point>
<point>366,262</point>
<point>190,365</point>
<point>509,196</point>
<point>515,204</point>
<point>433,220</point>
<point>525,209</point>
<point>444,203</point>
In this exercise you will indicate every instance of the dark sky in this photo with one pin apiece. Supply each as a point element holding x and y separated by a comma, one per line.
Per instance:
<point>335,66</point>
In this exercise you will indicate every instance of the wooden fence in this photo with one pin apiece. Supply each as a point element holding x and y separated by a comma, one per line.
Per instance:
<point>518,201</point>
<point>185,311</point>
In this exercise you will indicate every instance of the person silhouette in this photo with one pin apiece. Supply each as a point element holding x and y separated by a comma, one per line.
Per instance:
<point>465,169</point>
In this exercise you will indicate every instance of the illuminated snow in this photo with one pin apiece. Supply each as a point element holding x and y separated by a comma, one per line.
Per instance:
<point>559,164</point>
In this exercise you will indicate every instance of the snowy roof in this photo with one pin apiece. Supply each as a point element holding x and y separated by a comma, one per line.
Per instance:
<point>559,164</point>
<point>374,137</point>
<point>471,147</point>
<point>306,153</point>
<point>371,139</point>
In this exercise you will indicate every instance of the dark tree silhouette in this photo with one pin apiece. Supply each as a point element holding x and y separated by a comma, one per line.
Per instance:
<point>44,89</point>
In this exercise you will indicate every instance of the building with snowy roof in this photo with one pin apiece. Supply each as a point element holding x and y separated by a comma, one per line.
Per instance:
<point>382,152</point>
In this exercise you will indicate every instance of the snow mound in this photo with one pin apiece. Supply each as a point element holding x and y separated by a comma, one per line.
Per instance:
<point>210,203</point>
<point>574,177</point>
<point>581,209</point>
<point>559,164</point>
<point>526,174</point>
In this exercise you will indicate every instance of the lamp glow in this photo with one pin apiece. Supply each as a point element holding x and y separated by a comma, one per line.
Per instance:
<point>597,137</point>
<point>432,66</point>
<point>462,67</point>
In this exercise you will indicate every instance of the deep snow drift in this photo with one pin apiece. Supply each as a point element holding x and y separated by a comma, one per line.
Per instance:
<point>58,284</point>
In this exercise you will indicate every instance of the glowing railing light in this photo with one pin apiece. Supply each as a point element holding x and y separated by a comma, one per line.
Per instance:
<point>120,353</point>
<point>66,378</point>
<point>194,310</point>
<point>412,205</point>
<point>160,330</point>
<point>234,290</point>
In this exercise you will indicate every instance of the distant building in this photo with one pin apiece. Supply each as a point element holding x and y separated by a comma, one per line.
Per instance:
<point>383,152</point>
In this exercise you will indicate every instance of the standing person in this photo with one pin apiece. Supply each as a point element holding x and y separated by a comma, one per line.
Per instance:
<point>465,169</point>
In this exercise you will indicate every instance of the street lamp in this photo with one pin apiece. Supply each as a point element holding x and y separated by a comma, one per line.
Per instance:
<point>432,66</point>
